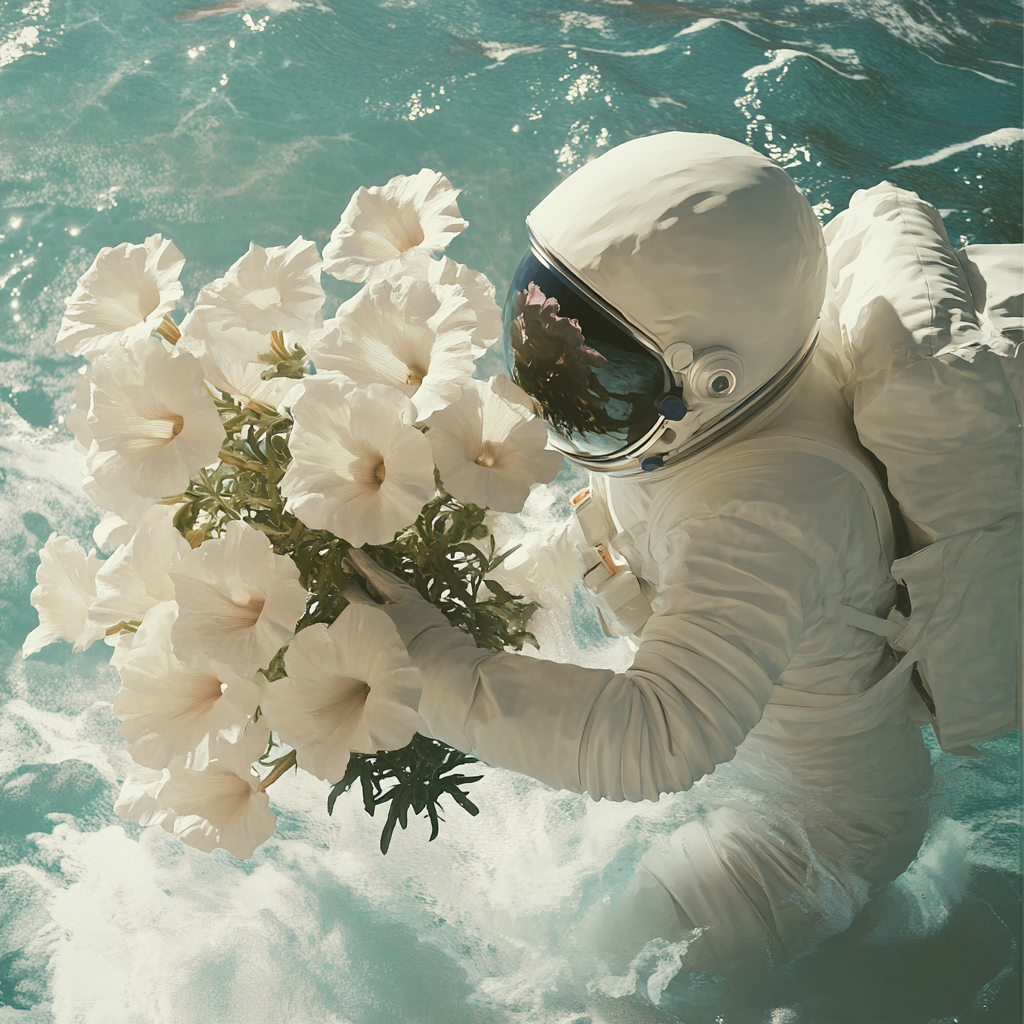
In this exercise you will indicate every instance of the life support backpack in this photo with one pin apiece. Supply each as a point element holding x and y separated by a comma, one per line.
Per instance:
<point>927,338</point>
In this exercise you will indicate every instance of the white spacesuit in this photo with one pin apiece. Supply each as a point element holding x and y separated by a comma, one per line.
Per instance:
<point>665,322</point>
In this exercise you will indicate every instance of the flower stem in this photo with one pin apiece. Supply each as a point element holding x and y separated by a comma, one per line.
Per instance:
<point>281,765</point>
<point>123,627</point>
<point>168,330</point>
<point>234,460</point>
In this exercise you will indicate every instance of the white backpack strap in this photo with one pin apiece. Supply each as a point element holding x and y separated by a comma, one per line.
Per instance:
<point>845,613</point>
<point>872,623</point>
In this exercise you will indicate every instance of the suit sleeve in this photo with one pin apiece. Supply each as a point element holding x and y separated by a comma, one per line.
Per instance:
<point>726,623</point>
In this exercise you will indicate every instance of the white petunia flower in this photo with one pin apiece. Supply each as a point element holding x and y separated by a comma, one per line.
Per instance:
<point>139,799</point>
<point>153,424</point>
<point>112,531</point>
<point>122,297</point>
<point>489,447</point>
<point>136,576</point>
<point>359,468</point>
<point>275,289</point>
<point>105,484</point>
<point>408,334</point>
<point>350,686</point>
<point>480,294</point>
<point>388,229</point>
<point>238,602</point>
<point>234,359</point>
<point>168,708</point>
<point>122,643</point>
<point>65,588</point>
<point>217,807</point>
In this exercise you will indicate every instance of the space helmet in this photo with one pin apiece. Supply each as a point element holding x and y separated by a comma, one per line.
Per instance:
<point>670,292</point>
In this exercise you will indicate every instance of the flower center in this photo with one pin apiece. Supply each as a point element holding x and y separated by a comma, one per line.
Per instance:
<point>414,375</point>
<point>153,433</point>
<point>407,229</point>
<point>206,690</point>
<point>393,231</point>
<point>245,616</point>
<point>232,614</point>
<point>127,309</point>
<point>264,298</point>
<point>380,472</point>
<point>411,236</point>
<point>488,456</point>
<point>351,700</point>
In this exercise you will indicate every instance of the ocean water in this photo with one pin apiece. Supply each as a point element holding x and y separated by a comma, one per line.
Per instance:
<point>119,118</point>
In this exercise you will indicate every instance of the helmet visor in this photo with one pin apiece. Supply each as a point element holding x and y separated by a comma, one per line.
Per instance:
<point>598,385</point>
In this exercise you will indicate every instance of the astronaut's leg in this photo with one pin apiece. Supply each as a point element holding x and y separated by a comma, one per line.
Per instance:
<point>812,815</point>
<point>645,910</point>
<point>741,889</point>
<point>685,890</point>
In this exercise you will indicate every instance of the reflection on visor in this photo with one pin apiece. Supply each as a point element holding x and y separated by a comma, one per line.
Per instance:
<point>598,385</point>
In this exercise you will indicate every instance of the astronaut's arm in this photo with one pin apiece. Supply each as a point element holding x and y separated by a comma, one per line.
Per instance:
<point>722,632</point>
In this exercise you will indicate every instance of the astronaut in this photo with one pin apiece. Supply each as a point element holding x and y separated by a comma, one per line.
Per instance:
<point>665,320</point>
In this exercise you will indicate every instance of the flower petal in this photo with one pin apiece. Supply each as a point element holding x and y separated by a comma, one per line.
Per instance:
<point>389,229</point>
<point>65,588</point>
<point>479,292</point>
<point>490,448</point>
<point>238,602</point>
<point>359,468</point>
<point>408,334</point>
<point>275,289</point>
<point>122,297</point>
<point>152,422</point>
<point>168,708</point>
<point>218,808</point>
<point>350,686</point>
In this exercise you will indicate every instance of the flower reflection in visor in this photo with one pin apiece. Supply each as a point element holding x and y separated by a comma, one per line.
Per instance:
<point>597,383</point>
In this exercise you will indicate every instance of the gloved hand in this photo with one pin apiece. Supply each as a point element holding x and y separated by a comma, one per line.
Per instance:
<point>508,710</point>
<point>411,614</point>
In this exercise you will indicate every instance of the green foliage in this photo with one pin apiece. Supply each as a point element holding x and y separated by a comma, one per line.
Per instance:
<point>438,556</point>
<point>446,555</point>
<point>420,772</point>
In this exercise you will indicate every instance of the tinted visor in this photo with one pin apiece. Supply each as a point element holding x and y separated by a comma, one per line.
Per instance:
<point>597,384</point>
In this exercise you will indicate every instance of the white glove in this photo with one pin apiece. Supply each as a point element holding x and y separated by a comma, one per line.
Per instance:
<point>533,726</point>
<point>420,625</point>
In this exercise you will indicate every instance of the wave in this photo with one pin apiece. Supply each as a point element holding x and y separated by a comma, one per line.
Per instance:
<point>1002,138</point>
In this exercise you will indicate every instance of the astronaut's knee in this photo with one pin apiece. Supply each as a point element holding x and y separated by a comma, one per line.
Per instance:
<point>645,910</point>
<point>716,885</point>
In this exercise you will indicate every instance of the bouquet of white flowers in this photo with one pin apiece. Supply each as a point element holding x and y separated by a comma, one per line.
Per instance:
<point>236,478</point>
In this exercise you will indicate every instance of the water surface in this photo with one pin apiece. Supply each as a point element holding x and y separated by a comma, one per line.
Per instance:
<point>119,119</point>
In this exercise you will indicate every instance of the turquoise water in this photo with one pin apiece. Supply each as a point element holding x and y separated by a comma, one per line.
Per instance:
<point>119,120</point>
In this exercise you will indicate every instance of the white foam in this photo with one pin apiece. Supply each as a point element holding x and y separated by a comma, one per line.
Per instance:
<point>784,56</point>
<point>919,902</point>
<point>698,26</point>
<point>500,52</point>
<point>661,48</point>
<point>1002,138</point>
<point>579,19</point>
